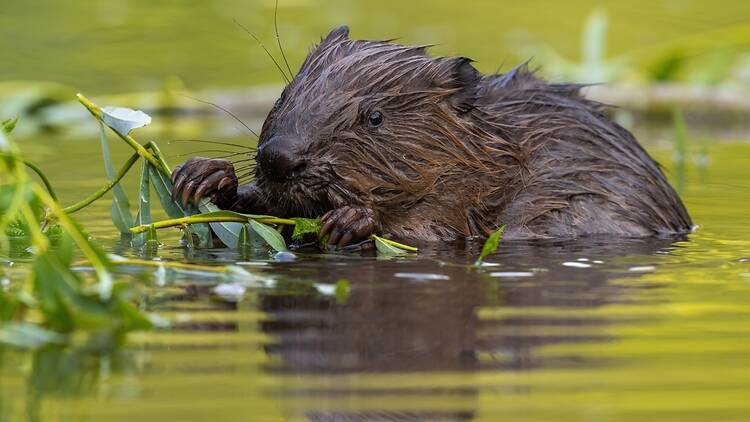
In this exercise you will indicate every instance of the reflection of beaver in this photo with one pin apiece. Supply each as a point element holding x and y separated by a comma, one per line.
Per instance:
<point>383,138</point>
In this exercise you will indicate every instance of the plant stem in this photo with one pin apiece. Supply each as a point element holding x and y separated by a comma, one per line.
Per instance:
<point>104,189</point>
<point>198,218</point>
<point>167,264</point>
<point>99,262</point>
<point>396,244</point>
<point>96,111</point>
<point>43,177</point>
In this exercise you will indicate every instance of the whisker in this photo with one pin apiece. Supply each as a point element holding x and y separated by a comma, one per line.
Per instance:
<point>273,59</point>
<point>278,39</point>
<point>208,151</point>
<point>206,141</point>
<point>234,116</point>
<point>234,155</point>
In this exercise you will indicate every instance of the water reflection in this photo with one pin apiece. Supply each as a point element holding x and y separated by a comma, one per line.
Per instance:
<point>393,324</point>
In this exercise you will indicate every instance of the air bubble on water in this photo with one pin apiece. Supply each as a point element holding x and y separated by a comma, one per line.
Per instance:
<point>284,256</point>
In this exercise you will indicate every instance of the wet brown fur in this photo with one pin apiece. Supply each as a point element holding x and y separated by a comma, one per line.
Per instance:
<point>459,153</point>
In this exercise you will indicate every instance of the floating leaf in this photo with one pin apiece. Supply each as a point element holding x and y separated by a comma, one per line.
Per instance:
<point>385,248</point>
<point>271,236</point>
<point>389,247</point>
<point>123,120</point>
<point>305,226</point>
<point>121,216</point>
<point>490,245</point>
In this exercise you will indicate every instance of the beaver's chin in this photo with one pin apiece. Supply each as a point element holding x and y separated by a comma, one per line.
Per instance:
<point>296,198</point>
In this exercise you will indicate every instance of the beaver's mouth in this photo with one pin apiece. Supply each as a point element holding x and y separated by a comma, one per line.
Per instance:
<point>299,197</point>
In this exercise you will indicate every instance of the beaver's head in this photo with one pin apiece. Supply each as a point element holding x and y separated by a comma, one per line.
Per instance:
<point>365,123</point>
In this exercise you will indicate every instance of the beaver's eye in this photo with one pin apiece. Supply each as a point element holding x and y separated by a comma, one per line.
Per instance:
<point>375,119</point>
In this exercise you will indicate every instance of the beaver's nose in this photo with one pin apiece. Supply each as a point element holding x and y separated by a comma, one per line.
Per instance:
<point>279,160</point>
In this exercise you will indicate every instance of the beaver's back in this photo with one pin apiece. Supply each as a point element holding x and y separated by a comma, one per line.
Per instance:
<point>582,174</point>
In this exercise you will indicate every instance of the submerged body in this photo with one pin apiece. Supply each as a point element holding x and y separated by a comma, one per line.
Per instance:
<point>382,138</point>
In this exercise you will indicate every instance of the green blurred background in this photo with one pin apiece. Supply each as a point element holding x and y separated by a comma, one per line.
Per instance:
<point>108,46</point>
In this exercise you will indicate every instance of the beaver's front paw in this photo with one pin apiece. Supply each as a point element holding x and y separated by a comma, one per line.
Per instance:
<point>348,226</point>
<point>200,177</point>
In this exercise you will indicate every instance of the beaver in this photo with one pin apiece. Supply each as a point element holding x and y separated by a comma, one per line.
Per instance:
<point>377,137</point>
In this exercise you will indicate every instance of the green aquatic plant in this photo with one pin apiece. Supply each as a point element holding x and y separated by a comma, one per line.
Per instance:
<point>233,229</point>
<point>57,299</point>
<point>490,245</point>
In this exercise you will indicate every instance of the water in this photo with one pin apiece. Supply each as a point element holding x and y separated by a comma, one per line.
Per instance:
<point>596,329</point>
<point>589,330</point>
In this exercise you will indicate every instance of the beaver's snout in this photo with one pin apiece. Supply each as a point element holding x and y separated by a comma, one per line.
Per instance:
<point>279,160</point>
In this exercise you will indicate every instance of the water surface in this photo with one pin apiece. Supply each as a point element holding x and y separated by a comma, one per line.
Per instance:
<point>595,329</point>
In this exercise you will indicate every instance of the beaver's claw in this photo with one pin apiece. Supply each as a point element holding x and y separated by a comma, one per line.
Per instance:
<point>347,225</point>
<point>200,177</point>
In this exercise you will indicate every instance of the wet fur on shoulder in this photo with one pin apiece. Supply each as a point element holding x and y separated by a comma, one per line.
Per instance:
<point>459,153</point>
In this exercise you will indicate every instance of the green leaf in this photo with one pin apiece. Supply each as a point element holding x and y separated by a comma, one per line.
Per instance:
<point>227,232</point>
<point>385,248</point>
<point>28,336</point>
<point>152,239</point>
<point>121,216</point>
<point>144,206</point>
<point>269,235</point>
<point>163,187</point>
<point>389,247</point>
<point>124,120</point>
<point>9,125</point>
<point>305,226</point>
<point>245,238</point>
<point>342,291</point>
<point>490,245</point>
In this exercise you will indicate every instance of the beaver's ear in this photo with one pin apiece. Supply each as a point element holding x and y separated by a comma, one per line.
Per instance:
<point>337,34</point>
<point>463,78</point>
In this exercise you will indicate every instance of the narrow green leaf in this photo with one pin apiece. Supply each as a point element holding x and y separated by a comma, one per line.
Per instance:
<point>490,245</point>
<point>342,291</point>
<point>163,187</point>
<point>385,248</point>
<point>28,336</point>
<point>9,125</point>
<point>144,206</point>
<point>152,239</point>
<point>244,240</point>
<point>121,216</point>
<point>389,247</point>
<point>227,232</point>
<point>269,235</point>
<point>123,120</point>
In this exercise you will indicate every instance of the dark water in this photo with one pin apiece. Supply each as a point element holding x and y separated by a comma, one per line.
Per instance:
<point>597,329</point>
